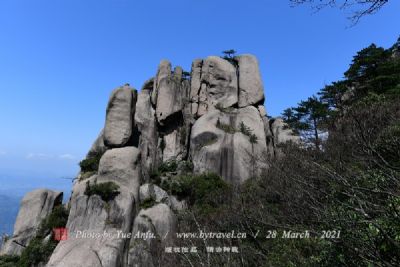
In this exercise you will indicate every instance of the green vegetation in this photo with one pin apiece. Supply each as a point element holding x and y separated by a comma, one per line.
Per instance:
<point>225,127</point>
<point>229,55</point>
<point>9,261</point>
<point>148,203</point>
<point>186,166</point>
<point>91,164</point>
<point>202,192</point>
<point>244,129</point>
<point>57,218</point>
<point>168,166</point>
<point>107,190</point>
<point>171,166</point>
<point>347,180</point>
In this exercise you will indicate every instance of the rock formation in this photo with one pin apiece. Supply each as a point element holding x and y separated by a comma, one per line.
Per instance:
<point>35,206</point>
<point>215,120</point>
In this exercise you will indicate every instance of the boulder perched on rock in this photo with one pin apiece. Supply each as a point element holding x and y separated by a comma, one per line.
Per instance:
<point>214,83</point>
<point>35,206</point>
<point>119,116</point>
<point>169,99</point>
<point>251,90</point>
<point>163,71</point>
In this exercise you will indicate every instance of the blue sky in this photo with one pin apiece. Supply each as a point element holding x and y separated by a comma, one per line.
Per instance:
<point>60,59</point>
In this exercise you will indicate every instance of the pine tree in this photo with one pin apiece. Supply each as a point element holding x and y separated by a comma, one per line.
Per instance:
<point>312,116</point>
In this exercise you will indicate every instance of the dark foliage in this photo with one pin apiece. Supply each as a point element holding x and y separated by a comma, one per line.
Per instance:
<point>107,190</point>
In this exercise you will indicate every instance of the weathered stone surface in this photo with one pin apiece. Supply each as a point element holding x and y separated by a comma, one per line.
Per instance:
<point>153,191</point>
<point>144,252</point>
<point>220,77</point>
<point>228,152</point>
<point>267,130</point>
<point>164,71</point>
<point>94,215</point>
<point>176,204</point>
<point>164,221</point>
<point>195,85</point>
<point>282,133</point>
<point>159,223</point>
<point>251,90</point>
<point>35,206</point>
<point>174,148</point>
<point>145,120</point>
<point>169,99</point>
<point>119,117</point>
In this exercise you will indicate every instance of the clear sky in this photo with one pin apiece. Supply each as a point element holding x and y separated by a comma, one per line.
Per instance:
<point>60,59</point>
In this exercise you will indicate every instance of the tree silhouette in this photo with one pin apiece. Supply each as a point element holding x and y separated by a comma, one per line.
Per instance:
<point>364,7</point>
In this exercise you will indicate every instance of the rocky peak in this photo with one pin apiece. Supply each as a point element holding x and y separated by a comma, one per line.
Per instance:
<point>214,121</point>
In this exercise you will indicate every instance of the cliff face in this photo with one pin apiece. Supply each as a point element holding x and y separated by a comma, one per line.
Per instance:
<point>215,120</point>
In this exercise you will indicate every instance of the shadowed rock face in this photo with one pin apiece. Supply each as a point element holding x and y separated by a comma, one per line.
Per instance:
<point>35,206</point>
<point>215,119</point>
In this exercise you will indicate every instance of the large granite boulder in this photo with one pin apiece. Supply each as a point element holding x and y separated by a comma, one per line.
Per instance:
<point>159,222</point>
<point>96,226</point>
<point>218,144</point>
<point>214,83</point>
<point>35,206</point>
<point>169,98</point>
<point>195,84</point>
<point>163,71</point>
<point>145,120</point>
<point>251,90</point>
<point>119,116</point>
<point>221,79</point>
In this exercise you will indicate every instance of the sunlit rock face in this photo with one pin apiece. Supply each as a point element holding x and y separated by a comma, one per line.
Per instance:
<point>211,116</point>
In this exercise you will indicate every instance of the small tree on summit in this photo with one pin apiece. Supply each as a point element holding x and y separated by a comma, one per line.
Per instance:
<point>229,54</point>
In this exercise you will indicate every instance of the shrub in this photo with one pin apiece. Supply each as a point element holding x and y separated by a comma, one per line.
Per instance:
<point>253,138</point>
<point>168,166</point>
<point>205,191</point>
<point>225,127</point>
<point>9,261</point>
<point>57,218</point>
<point>148,203</point>
<point>244,129</point>
<point>155,177</point>
<point>91,164</point>
<point>38,251</point>
<point>388,145</point>
<point>186,166</point>
<point>107,191</point>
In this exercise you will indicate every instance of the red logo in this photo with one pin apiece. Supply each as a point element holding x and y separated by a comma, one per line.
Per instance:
<point>60,234</point>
